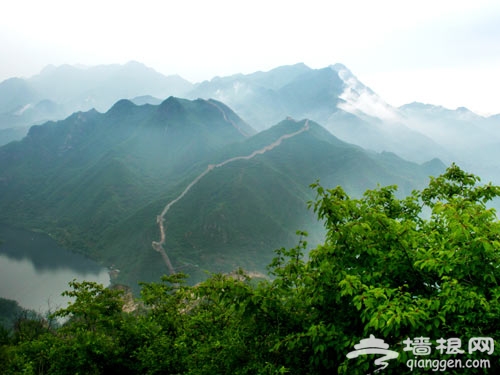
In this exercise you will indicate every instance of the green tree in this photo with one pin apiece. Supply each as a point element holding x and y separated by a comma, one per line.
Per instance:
<point>96,338</point>
<point>215,327</point>
<point>422,266</point>
<point>161,326</point>
<point>426,265</point>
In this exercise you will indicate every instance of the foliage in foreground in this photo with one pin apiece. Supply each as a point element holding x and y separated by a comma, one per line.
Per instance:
<point>426,266</point>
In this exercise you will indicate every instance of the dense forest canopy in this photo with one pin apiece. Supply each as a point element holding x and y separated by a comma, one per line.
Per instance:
<point>426,266</point>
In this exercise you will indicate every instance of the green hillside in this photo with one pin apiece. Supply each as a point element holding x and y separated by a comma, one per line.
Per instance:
<point>77,177</point>
<point>239,213</point>
<point>97,183</point>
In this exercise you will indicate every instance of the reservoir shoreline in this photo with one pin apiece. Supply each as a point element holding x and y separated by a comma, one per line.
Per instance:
<point>35,270</point>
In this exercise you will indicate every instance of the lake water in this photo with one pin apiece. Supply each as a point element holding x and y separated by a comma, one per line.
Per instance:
<point>34,270</point>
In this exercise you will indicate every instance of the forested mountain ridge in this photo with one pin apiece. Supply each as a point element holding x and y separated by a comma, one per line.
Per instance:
<point>57,92</point>
<point>331,96</point>
<point>335,98</point>
<point>379,265</point>
<point>98,181</point>
<point>77,177</point>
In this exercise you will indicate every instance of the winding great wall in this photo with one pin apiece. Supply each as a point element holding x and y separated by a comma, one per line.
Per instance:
<point>160,219</point>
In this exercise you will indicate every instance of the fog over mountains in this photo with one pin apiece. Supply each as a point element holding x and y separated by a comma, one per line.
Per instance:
<point>332,96</point>
<point>124,141</point>
<point>97,182</point>
<point>57,92</point>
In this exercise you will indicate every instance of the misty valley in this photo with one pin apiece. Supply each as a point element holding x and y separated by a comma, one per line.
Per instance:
<point>119,175</point>
<point>98,179</point>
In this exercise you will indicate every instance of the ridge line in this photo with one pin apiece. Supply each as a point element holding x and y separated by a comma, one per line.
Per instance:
<point>160,219</point>
<point>224,115</point>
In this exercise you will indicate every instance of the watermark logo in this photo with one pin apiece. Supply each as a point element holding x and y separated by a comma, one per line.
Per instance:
<point>373,345</point>
<point>482,344</point>
<point>421,347</point>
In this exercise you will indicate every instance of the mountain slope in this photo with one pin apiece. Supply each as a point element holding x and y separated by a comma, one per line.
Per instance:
<point>100,86</point>
<point>15,93</point>
<point>264,98</point>
<point>73,178</point>
<point>238,211</point>
<point>57,92</point>
<point>97,182</point>
<point>331,96</point>
<point>337,99</point>
<point>471,140</point>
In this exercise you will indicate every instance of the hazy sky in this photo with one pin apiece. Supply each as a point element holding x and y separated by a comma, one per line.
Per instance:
<point>443,52</point>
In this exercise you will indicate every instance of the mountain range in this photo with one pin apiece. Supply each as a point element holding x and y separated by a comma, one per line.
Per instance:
<point>57,92</point>
<point>222,167</point>
<point>332,97</point>
<point>99,182</point>
<point>335,98</point>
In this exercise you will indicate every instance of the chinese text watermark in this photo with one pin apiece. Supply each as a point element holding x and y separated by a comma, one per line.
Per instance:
<point>422,346</point>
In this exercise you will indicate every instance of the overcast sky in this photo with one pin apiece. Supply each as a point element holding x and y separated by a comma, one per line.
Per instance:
<point>434,51</point>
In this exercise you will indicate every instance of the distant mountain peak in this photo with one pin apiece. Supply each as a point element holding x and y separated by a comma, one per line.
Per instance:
<point>360,100</point>
<point>123,102</point>
<point>172,103</point>
<point>339,67</point>
<point>284,68</point>
<point>135,63</point>
<point>463,110</point>
<point>121,106</point>
<point>48,69</point>
<point>431,109</point>
<point>137,66</point>
<point>146,99</point>
<point>422,106</point>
